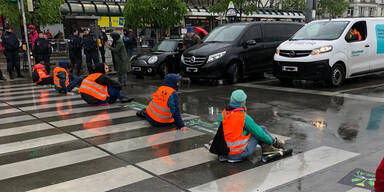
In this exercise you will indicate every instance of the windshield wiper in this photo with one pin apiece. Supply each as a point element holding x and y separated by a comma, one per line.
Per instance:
<point>213,41</point>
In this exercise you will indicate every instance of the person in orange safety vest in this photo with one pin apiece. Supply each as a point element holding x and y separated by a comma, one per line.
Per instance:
<point>98,89</point>
<point>239,134</point>
<point>40,75</point>
<point>164,109</point>
<point>355,32</point>
<point>63,80</point>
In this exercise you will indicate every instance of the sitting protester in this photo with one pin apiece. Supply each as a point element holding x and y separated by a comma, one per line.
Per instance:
<point>40,76</point>
<point>64,81</point>
<point>164,109</point>
<point>99,89</point>
<point>238,135</point>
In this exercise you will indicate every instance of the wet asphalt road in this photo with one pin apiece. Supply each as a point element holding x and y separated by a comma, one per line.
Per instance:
<point>331,131</point>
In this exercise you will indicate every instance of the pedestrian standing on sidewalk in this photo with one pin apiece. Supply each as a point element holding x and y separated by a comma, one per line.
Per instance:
<point>11,51</point>
<point>120,57</point>
<point>2,49</point>
<point>90,50</point>
<point>42,51</point>
<point>33,35</point>
<point>75,55</point>
<point>129,41</point>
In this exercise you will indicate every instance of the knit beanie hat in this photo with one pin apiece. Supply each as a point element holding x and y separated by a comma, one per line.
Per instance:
<point>238,99</point>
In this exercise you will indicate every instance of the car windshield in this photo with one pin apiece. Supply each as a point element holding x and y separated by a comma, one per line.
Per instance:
<point>224,34</point>
<point>165,46</point>
<point>323,30</point>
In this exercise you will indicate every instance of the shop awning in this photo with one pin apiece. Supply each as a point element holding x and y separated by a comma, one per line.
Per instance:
<point>92,8</point>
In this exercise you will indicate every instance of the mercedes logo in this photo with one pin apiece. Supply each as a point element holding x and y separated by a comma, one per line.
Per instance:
<point>193,58</point>
<point>292,53</point>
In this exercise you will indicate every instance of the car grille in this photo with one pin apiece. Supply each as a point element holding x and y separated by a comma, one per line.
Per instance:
<point>194,61</point>
<point>294,53</point>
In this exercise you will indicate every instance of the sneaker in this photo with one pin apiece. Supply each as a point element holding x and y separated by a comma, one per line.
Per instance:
<point>278,143</point>
<point>223,158</point>
<point>126,100</point>
<point>75,90</point>
<point>269,149</point>
<point>141,114</point>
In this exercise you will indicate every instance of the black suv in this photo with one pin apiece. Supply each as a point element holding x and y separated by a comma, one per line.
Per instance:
<point>236,50</point>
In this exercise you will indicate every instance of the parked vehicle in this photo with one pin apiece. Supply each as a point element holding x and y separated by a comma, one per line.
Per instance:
<point>332,50</point>
<point>236,50</point>
<point>164,58</point>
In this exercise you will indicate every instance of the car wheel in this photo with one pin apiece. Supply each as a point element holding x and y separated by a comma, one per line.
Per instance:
<point>234,75</point>
<point>337,76</point>
<point>163,70</point>
<point>285,81</point>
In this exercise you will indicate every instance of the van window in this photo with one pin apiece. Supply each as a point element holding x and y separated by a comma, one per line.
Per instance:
<point>321,30</point>
<point>253,33</point>
<point>273,32</point>
<point>291,29</point>
<point>225,33</point>
<point>360,29</point>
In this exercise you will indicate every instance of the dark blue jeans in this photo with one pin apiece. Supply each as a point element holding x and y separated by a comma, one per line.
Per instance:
<point>74,82</point>
<point>113,93</point>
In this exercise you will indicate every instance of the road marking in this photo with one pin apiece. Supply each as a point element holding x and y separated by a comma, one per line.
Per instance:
<point>42,100</point>
<point>17,85</point>
<point>54,105</point>
<point>74,111</point>
<point>25,92</point>
<point>27,96</point>
<point>24,89</point>
<point>15,119</point>
<point>10,110</point>
<point>357,189</point>
<point>280,172</point>
<point>24,129</point>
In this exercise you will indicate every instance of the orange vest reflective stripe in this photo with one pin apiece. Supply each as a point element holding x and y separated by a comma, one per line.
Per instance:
<point>90,87</point>
<point>357,33</point>
<point>158,108</point>
<point>56,80</point>
<point>41,73</point>
<point>233,127</point>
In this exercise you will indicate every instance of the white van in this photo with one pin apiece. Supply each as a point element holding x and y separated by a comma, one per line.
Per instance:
<point>329,50</point>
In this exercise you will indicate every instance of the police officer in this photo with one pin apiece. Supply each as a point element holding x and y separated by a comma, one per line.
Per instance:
<point>90,50</point>
<point>11,51</point>
<point>42,51</point>
<point>75,47</point>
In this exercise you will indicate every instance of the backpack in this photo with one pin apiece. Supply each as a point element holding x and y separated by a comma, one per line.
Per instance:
<point>219,146</point>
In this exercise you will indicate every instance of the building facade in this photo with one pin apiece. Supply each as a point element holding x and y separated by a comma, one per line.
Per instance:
<point>365,8</point>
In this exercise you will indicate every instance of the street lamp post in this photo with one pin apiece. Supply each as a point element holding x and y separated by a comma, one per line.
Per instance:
<point>21,4</point>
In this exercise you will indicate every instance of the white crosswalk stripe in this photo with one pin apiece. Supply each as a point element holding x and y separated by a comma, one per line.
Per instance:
<point>74,111</point>
<point>24,129</point>
<point>10,110</point>
<point>55,105</point>
<point>17,85</point>
<point>35,95</point>
<point>16,119</point>
<point>28,92</point>
<point>25,88</point>
<point>43,100</point>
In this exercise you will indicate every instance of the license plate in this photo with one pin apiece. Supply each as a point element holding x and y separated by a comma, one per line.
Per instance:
<point>290,68</point>
<point>192,69</point>
<point>136,68</point>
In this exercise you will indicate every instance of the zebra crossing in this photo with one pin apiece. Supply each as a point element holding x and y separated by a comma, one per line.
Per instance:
<point>52,142</point>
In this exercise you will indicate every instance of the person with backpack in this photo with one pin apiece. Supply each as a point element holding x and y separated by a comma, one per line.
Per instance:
<point>75,55</point>
<point>40,75</point>
<point>42,51</point>
<point>190,39</point>
<point>238,135</point>
<point>11,51</point>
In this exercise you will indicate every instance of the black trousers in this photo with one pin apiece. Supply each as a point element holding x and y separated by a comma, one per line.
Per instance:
<point>102,52</point>
<point>46,59</point>
<point>46,81</point>
<point>76,60</point>
<point>13,62</point>
<point>92,59</point>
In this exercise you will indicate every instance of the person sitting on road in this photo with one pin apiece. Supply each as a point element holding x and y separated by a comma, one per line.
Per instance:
<point>64,81</point>
<point>164,109</point>
<point>241,133</point>
<point>98,89</point>
<point>354,31</point>
<point>40,75</point>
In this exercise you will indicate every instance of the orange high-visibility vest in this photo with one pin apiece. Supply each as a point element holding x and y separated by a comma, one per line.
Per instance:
<point>357,33</point>
<point>56,80</point>
<point>42,75</point>
<point>90,87</point>
<point>158,108</point>
<point>233,127</point>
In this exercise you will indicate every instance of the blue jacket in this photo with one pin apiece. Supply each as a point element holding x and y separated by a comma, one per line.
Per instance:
<point>62,77</point>
<point>173,102</point>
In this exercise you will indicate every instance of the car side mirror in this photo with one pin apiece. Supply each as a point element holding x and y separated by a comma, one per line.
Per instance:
<point>251,42</point>
<point>354,37</point>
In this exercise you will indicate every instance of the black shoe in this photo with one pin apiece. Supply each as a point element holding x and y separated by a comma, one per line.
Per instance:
<point>20,76</point>
<point>126,99</point>
<point>141,113</point>
<point>11,76</point>
<point>3,78</point>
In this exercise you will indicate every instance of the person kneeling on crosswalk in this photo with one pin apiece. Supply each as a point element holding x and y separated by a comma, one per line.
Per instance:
<point>164,110</point>
<point>238,134</point>
<point>98,89</point>
<point>64,81</point>
<point>40,75</point>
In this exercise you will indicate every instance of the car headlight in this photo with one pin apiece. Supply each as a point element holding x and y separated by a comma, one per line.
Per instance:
<point>153,59</point>
<point>216,56</point>
<point>321,50</point>
<point>277,51</point>
<point>182,59</point>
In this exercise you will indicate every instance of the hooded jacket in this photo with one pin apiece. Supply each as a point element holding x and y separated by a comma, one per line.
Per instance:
<point>33,36</point>
<point>62,76</point>
<point>102,80</point>
<point>171,80</point>
<point>120,56</point>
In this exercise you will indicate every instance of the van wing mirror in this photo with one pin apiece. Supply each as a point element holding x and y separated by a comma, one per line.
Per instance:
<point>251,42</point>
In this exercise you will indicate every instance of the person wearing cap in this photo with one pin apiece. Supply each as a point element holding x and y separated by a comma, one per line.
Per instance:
<point>190,39</point>
<point>241,133</point>
<point>164,109</point>
<point>98,89</point>
<point>75,46</point>
<point>42,51</point>
<point>11,51</point>
<point>33,35</point>
<point>63,80</point>
<point>90,49</point>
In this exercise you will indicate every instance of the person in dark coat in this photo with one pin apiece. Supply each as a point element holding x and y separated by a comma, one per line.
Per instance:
<point>100,79</point>
<point>90,50</point>
<point>120,57</point>
<point>129,41</point>
<point>103,38</point>
<point>75,54</point>
<point>42,51</point>
<point>11,51</point>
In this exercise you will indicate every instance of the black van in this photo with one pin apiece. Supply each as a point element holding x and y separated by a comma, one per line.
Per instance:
<point>236,50</point>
